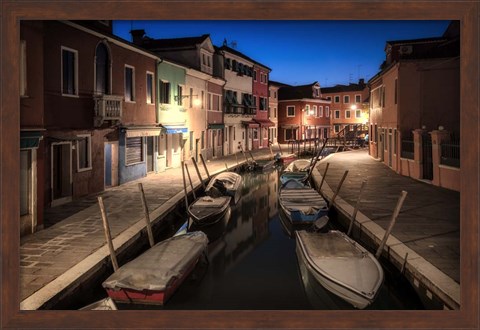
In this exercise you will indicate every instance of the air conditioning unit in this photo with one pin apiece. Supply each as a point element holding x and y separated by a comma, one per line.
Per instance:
<point>405,50</point>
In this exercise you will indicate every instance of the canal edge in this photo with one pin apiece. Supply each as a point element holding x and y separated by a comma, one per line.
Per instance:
<point>418,270</point>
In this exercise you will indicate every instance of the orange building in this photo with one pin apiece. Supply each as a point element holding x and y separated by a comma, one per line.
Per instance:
<point>302,113</point>
<point>349,108</point>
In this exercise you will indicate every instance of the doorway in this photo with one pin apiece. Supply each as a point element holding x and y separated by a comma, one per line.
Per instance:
<point>61,172</point>
<point>111,164</point>
<point>150,154</point>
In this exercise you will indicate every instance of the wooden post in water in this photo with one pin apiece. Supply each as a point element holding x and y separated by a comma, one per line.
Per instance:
<point>357,205</point>
<point>191,183</point>
<point>323,177</point>
<point>185,185</point>
<point>205,166</point>
<point>271,150</point>
<point>251,155</point>
<point>198,173</point>
<point>392,223</point>
<point>147,215</point>
<point>108,236</point>
<point>338,189</point>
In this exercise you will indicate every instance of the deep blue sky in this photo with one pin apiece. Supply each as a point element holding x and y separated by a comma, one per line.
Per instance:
<point>300,52</point>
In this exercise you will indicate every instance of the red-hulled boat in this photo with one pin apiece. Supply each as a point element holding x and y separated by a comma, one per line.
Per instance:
<point>154,276</point>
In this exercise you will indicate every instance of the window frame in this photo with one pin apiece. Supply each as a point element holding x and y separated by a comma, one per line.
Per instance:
<point>290,107</point>
<point>347,114</point>
<point>88,137</point>
<point>346,99</point>
<point>166,96</point>
<point>336,99</point>
<point>335,112</point>
<point>152,87</point>
<point>359,96</point>
<point>75,71</point>
<point>133,96</point>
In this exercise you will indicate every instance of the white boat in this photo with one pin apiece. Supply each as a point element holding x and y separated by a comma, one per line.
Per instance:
<point>206,210</point>
<point>225,184</point>
<point>340,265</point>
<point>299,165</point>
<point>106,304</point>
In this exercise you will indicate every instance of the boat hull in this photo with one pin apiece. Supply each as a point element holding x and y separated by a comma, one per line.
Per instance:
<point>206,211</point>
<point>360,263</point>
<point>150,297</point>
<point>225,184</point>
<point>154,276</point>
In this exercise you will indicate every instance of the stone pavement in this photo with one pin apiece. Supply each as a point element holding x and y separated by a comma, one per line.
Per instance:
<point>75,230</point>
<point>429,220</point>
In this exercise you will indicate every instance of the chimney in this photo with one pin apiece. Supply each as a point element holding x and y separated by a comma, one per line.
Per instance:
<point>361,81</point>
<point>137,36</point>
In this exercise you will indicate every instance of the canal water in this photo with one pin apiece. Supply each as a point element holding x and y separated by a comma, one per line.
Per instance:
<point>252,264</point>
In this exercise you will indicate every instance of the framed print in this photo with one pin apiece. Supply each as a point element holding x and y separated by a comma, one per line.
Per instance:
<point>134,146</point>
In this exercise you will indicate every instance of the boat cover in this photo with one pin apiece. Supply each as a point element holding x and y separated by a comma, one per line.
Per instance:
<point>156,267</point>
<point>299,165</point>
<point>306,200</point>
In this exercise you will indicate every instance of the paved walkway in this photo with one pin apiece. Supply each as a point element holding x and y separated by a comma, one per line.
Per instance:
<point>75,230</point>
<point>54,257</point>
<point>429,221</point>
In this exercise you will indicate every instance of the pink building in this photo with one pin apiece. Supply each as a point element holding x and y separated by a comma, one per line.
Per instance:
<point>415,108</point>
<point>260,100</point>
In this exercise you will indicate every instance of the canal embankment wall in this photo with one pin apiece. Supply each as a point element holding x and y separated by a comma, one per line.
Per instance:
<point>435,288</point>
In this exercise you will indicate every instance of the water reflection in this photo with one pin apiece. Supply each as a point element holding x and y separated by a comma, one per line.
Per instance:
<point>252,264</point>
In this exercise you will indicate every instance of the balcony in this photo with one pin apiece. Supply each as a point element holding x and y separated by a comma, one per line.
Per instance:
<point>107,107</point>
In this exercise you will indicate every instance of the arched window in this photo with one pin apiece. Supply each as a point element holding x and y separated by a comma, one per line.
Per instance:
<point>102,69</point>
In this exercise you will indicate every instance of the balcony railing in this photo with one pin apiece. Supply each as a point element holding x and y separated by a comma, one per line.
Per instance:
<point>107,107</point>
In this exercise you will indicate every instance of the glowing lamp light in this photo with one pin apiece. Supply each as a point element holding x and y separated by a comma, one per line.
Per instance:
<point>196,102</point>
<point>353,107</point>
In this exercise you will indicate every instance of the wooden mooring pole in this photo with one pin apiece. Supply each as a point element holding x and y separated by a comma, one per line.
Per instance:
<point>185,184</point>
<point>205,166</point>
<point>198,173</point>
<point>190,180</point>
<point>323,177</point>
<point>147,215</point>
<point>392,223</point>
<point>108,236</point>
<point>338,190</point>
<point>357,205</point>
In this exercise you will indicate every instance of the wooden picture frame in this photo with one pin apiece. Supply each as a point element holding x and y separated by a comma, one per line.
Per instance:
<point>13,11</point>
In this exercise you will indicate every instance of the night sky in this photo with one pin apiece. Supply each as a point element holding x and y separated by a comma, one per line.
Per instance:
<point>300,52</point>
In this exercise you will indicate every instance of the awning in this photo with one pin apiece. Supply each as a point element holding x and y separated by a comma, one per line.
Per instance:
<point>216,126</point>
<point>30,139</point>
<point>173,129</point>
<point>250,123</point>
<point>289,126</point>
<point>136,131</point>
<point>265,122</point>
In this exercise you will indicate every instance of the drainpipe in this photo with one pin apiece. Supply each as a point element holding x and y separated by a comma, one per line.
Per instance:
<point>157,92</point>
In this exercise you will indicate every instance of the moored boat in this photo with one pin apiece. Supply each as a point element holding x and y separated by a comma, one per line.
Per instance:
<point>155,275</point>
<point>206,210</point>
<point>225,184</point>
<point>300,203</point>
<point>285,159</point>
<point>340,265</point>
<point>264,164</point>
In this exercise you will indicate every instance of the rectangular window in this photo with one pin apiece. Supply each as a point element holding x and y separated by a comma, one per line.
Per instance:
<point>337,114</point>
<point>255,133</point>
<point>358,98</point>
<point>179,95</point>
<point>129,84</point>
<point>274,112</point>
<point>337,99</point>
<point>164,92</point>
<point>291,111</point>
<point>336,128</point>
<point>209,101</point>
<point>134,150</point>
<point>347,114</point>
<point>254,75</point>
<point>263,103</point>
<point>23,68</point>
<point>315,112</point>
<point>69,71</point>
<point>149,87</point>
<point>358,113</point>
<point>84,152</point>
<point>307,109</point>
<point>320,111</point>
<point>346,99</point>
<point>327,111</point>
